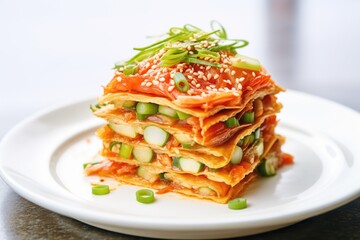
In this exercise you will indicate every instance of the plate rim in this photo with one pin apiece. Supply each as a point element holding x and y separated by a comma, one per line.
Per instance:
<point>124,221</point>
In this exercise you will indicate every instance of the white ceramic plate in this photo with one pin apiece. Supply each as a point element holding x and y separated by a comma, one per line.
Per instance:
<point>42,157</point>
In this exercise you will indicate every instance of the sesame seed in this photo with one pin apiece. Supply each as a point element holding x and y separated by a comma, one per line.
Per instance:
<point>119,79</point>
<point>233,72</point>
<point>253,74</point>
<point>216,76</point>
<point>208,88</point>
<point>162,79</point>
<point>206,58</point>
<point>193,82</point>
<point>241,79</point>
<point>209,75</point>
<point>195,74</point>
<point>200,73</point>
<point>171,88</point>
<point>236,94</point>
<point>147,65</point>
<point>143,83</point>
<point>212,86</point>
<point>227,70</point>
<point>190,77</point>
<point>208,67</point>
<point>239,86</point>
<point>245,73</point>
<point>205,78</point>
<point>221,70</point>
<point>155,82</point>
<point>148,84</point>
<point>197,85</point>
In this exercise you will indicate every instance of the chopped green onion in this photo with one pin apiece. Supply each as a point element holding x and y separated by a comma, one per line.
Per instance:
<point>266,168</point>
<point>146,108</point>
<point>115,146</point>
<point>126,150</point>
<point>145,196</point>
<point>141,116</point>
<point>247,117</point>
<point>182,115</point>
<point>100,190</point>
<point>168,111</point>
<point>245,62</point>
<point>163,177</point>
<point>130,69</point>
<point>186,145</point>
<point>237,203</point>
<point>156,136</point>
<point>175,162</point>
<point>180,82</point>
<point>237,155</point>
<point>129,104</point>
<point>257,133</point>
<point>249,139</point>
<point>232,122</point>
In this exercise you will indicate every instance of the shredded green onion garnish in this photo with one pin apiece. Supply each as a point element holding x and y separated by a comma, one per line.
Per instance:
<point>186,44</point>
<point>237,203</point>
<point>145,196</point>
<point>222,32</point>
<point>180,82</point>
<point>89,163</point>
<point>100,190</point>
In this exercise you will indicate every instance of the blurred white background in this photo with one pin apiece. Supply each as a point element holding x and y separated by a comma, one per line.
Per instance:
<point>61,51</point>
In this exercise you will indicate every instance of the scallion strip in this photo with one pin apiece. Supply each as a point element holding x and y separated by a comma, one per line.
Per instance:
<point>159,42</point>
<point>180,82</point>
<point>222,32</point>
<point>202,62</point>
<point>145,196</point>
<point>192,28</point>
<point>237,203</point>
<point>203,53</point>
<point>100,190</point>
<point>244,43</point>
<point>130,69</point>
